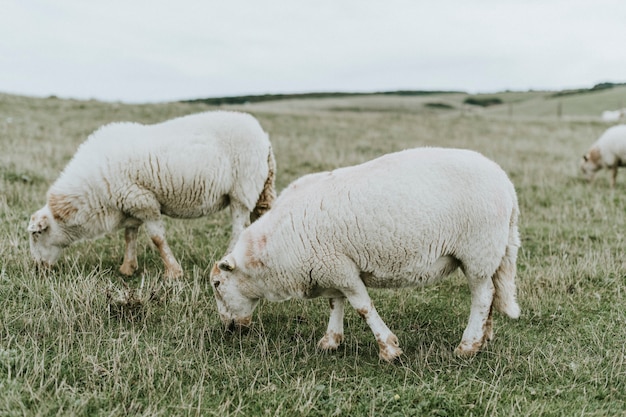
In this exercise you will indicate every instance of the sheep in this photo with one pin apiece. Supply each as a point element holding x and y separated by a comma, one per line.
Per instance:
<point>611,115</point>
<point>405,219</point>
<point>609,151</point>
<point>128,174</point>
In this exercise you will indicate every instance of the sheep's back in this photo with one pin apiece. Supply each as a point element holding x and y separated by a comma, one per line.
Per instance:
<point>612,144</point>
<point>190,164</point>
<point>398,214</point>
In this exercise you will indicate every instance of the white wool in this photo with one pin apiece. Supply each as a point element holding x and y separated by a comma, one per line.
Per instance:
<point>127,174</point>
<point>187,163</point>
<point>405,219</point>
<point>609,151</point>
<point>612,145</point>
<point>393,227</point>
<point>612,115</point>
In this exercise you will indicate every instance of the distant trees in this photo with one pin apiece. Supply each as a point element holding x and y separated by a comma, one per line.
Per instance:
<point>483,101</point>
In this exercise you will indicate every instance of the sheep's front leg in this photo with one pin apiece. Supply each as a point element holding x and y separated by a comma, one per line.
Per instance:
<point>241,219</point>
<point>129,266</point>
<point>479,327</point>
<point>156,231</point>
<point>334,332</point>
<point>362,303</point>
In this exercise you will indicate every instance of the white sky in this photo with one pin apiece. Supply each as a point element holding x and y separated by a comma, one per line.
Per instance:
<point>156,50</point>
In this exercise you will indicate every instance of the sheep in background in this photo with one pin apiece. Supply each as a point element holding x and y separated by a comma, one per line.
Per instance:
<point>128,174</point>
<point>609,151</point>
<point>611,116</point>
<point>405,219</point>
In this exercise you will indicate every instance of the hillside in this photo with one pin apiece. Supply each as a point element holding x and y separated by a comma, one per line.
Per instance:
<point>586,103</point>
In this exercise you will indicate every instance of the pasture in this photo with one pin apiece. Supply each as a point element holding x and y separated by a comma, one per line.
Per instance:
<point>83,340</point>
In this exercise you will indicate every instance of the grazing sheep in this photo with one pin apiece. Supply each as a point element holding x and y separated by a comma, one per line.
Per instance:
<point>609,151</point>
<point>127,174</point>
<point>405,219</point>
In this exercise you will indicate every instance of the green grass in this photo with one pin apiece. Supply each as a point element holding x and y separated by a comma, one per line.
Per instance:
<point>82,340</point>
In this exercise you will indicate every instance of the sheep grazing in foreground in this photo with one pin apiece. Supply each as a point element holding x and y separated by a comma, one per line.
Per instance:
<point>405,219</point>
<point>609,151</point>
<point>128,174</point>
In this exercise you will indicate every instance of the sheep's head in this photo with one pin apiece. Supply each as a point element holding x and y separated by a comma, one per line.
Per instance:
<point>46,238</point>
<point>231,287</point>
<point>590,163</point>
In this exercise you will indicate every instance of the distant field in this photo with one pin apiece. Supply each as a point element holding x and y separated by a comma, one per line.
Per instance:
<point>82,340</point>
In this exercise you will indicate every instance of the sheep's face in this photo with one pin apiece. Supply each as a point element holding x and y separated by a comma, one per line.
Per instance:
<point>232,289</point>
<point>588,168</point>
<point>46,238</point>
<point>590,163</point>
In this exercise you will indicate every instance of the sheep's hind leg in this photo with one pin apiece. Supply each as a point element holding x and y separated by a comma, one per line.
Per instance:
<point>362,303</point>
<point>241,219</point>
<point>479,327</point>
<point>156,231</point>
<point>614,174</point>
<point>334,332</point>
<point>129,266</point>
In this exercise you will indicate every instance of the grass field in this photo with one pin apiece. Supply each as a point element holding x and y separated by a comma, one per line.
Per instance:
<point>83,340</point>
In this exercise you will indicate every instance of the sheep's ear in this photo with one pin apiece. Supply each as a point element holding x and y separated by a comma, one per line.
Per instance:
<point>227,264</point>
<point>594,155</point>
<point>62,207</point>
<point>38,223</point>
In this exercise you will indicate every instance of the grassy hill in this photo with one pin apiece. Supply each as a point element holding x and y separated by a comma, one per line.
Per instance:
<point>83,340</point>
<point>589,102</point>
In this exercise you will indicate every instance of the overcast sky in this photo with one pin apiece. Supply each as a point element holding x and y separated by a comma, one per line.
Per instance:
<point>154,50</point>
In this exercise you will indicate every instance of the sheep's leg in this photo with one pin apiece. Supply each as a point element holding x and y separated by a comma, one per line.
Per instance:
<point>156,231</point>
<point>241,219</point>
<point>129,266</point>
<point>334,332</point>
<point>362,303</point>
<point>614,174</point>
<point>488,328</point>
<point>479,327</point>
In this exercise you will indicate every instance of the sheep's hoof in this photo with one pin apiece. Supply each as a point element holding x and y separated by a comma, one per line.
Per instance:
<point>128,269</point>
<point>390,355</point>
<point>389,349</point>
<point>330,341</point>
<point>174,274</point>
<point>467,350</point>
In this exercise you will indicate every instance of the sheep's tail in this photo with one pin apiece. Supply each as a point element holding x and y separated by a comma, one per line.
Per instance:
<point>268,194</point>
<point>504,299</point>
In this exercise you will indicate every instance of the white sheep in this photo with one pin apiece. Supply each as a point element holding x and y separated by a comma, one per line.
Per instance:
<point>611,116</point>
<point>405,219</point>
<point>609,151</point>
<point>128,174</point>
